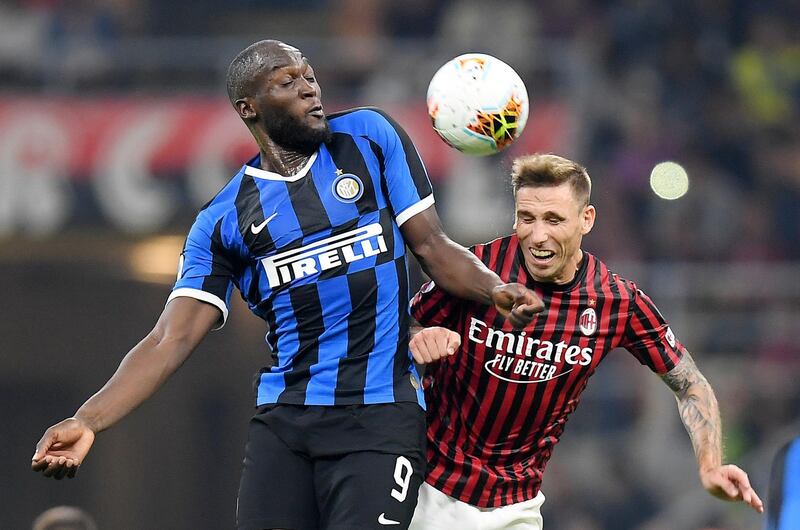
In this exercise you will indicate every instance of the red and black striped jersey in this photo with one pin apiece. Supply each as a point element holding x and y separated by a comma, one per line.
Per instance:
<point>498,406</point>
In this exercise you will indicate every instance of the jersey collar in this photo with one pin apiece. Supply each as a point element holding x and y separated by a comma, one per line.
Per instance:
<point>270,175</point>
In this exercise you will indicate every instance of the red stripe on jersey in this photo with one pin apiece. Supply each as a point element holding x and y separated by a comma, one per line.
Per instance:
<point>497,408</point>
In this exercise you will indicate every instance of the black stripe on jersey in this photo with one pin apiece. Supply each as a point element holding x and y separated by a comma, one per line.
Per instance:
<point>616,304</point>
<point>403,391</point>
<point>352,377</point>
<point>412,157</point>
<point>347,157</point>
<point>635,312</point>
<point>222,269</point>
<point>307,310</point>
<point>378,152</point>
<point>307,205</point>
<point>264,310</point>
<point>249,212</point>
<point>477,489</point>
<point>387,223</point>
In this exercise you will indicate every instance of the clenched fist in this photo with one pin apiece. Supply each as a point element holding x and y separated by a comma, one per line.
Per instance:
<point>431,344</point>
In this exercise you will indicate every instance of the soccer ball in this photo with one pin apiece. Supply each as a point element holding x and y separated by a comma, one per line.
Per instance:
<point>477,104</point>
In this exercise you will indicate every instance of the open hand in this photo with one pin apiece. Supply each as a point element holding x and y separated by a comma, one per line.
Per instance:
<point>62,449</point>
<point>730,483</point>
<point>517,303</point>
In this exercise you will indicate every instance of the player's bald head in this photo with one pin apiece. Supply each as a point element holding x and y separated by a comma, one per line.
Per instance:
<point>260,56</point>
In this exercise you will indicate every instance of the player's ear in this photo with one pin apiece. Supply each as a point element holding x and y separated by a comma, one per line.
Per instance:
<point>244,108</point>
<point>587,220</point>
<point>514,226</point>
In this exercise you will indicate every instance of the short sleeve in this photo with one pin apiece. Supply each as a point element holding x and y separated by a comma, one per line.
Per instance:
<point>648,335</point>
<point>432,306</point>
<point>405,177</point>
<point>206,270</point>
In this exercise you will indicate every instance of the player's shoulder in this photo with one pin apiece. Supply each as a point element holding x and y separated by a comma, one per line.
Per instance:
<point>495,244</point>
<point>365,121</point>
<point>224,201</point>
<point>609,280</point>
<point>496,251</point>
<point>358,114</point>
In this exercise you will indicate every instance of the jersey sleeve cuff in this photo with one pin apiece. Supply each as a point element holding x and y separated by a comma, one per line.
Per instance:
<point>414,209</point>
<point>203,296</point>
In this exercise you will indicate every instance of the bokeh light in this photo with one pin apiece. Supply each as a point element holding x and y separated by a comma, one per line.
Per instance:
<point>669,180</point>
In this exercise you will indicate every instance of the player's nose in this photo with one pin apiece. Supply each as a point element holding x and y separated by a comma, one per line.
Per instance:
<point>538,233</point>
<point>307,89</point>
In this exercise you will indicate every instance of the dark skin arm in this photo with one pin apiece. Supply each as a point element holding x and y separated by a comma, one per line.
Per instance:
<point>456,270</point>
<point>699,413</point>
<point>182,325</point>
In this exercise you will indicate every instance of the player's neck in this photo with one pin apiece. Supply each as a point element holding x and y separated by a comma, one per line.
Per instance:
<point>572,269</point>
<point>282,160</point>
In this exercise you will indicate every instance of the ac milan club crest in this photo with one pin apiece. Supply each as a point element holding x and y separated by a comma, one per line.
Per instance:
<point>588,322</point>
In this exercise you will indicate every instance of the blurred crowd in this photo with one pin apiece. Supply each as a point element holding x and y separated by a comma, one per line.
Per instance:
<point>714,85</point>
<point>711,84</point>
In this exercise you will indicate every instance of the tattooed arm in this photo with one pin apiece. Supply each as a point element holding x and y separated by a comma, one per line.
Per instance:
<point>699,413</point>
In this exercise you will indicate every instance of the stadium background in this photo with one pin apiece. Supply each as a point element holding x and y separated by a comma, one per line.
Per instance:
<point>114,129</point>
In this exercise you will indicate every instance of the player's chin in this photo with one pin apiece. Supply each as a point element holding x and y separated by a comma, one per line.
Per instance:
<point>317,127</point>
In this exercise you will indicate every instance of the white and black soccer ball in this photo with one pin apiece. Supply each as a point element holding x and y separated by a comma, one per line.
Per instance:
<point>477,104</point>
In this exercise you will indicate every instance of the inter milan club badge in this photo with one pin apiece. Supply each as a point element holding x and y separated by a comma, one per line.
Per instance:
<point>348,187</point>
<point>588,322</point>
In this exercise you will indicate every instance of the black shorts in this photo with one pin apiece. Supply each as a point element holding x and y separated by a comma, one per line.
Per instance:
<point>344,467</point>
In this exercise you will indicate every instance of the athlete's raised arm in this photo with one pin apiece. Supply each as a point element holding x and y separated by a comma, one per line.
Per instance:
<point>700,415</point>
<point>458,271</point>
<point>182,325</point>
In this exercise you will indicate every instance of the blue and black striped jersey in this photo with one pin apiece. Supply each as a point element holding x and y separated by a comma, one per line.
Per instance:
<point>320,257</point>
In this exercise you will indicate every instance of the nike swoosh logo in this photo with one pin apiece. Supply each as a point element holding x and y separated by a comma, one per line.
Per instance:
<point>256,229</point>
<point>384,521</point>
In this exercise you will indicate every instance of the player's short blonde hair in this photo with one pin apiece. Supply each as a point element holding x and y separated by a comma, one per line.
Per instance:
<point>545,170</point>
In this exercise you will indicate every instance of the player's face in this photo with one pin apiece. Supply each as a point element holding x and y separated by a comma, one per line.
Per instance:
<point>287,102</point>
<point>550,224</point>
